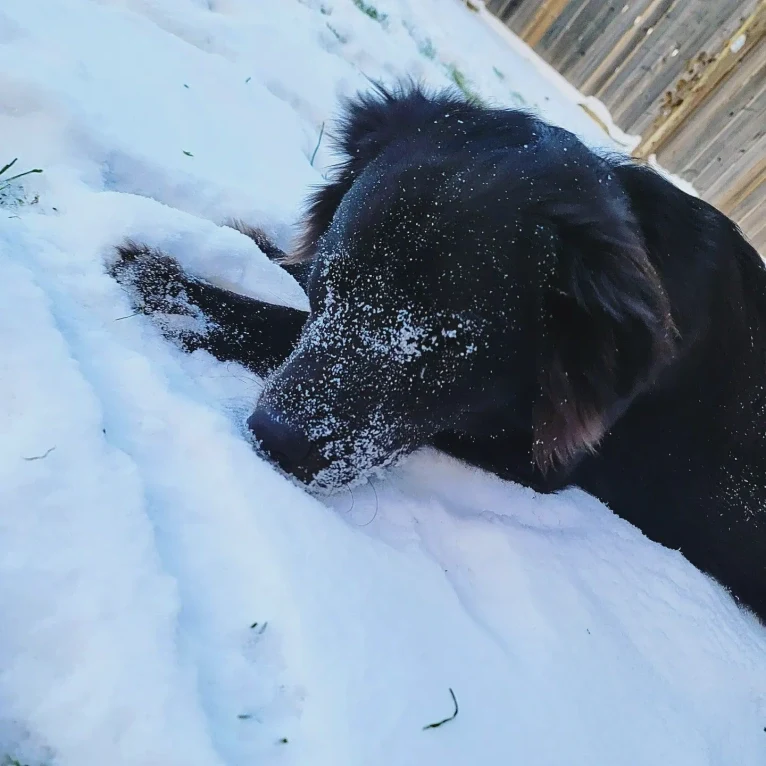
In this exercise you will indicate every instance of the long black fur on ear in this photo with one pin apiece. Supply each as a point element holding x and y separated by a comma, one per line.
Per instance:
<point>607,327</point>
<point>369,122</point>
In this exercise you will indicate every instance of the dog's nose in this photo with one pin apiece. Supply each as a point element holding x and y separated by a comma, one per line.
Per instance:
<point>285,444</point>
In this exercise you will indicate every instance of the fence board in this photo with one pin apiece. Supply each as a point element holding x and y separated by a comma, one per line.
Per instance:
<point>634,96</point>
<point>617,40</point>
<point>667,69</point>
<point>519,12</point>
<point>751,205</point>
<point>691,92</point>
<point>719,178</point>
<point>564,36</point>
<point>547,12</point>
<point>588,30</point>
<point>757,234</point>
<point>734,100</point>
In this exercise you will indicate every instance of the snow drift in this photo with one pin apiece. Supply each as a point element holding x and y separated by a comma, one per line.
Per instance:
<point>168,598</point>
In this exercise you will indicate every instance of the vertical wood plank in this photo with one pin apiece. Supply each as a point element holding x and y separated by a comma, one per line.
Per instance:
<point>547,13</point>
<point>689,75</point>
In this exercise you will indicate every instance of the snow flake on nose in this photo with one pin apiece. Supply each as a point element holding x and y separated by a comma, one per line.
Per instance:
<point>402,341</point>
<point>402,336</point>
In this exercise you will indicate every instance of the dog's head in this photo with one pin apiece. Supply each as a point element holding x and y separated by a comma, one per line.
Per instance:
<point>471,271</point>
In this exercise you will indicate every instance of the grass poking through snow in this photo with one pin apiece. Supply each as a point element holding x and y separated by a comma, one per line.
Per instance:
<point>6,181</point>
<point>448,718</point>
<point>11,192</point>
<point>316,148</point>
<point>371,11</point>
<point>427,49</point>
<point>463,83</point>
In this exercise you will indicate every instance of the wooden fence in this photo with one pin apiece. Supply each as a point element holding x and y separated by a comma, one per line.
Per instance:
<point>688,76</point>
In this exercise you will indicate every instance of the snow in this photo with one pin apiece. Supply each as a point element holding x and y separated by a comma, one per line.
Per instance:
<point>140,536</point>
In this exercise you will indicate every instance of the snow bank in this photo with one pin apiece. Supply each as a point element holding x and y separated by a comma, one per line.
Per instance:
<point>167,597</point>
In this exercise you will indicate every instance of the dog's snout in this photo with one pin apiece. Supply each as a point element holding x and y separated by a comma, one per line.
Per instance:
<point>285,444</point>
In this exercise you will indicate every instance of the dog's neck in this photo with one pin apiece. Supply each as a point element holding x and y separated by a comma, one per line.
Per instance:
<point>694,439</point>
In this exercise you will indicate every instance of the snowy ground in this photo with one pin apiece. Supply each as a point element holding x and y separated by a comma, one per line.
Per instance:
<point>169,599</point>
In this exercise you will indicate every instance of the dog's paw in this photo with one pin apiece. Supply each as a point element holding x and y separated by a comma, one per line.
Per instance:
<point>155,282</point>
<point>259,236</point>
<point>158,286</point>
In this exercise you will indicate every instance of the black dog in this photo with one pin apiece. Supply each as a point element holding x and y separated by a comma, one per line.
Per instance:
<point>482,282</point>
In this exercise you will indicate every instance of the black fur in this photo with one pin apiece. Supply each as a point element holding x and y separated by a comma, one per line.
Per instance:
<point>231,327</point>
<point>482,282</point>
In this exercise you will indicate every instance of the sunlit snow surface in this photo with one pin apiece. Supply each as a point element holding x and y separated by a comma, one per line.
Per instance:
<point>166,597</point>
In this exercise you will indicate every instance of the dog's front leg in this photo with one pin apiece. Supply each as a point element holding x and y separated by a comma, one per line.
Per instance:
<point>198,315</point>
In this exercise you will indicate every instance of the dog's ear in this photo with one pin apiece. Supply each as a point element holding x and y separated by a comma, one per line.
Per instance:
<point>606,327</point>
<point>368,123</point>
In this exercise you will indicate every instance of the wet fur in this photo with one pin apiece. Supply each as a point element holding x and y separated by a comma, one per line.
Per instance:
<point>646,347</point>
